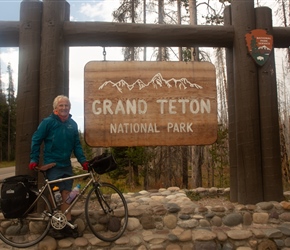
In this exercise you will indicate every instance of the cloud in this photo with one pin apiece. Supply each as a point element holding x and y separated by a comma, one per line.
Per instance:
<point>9,56</point>
<point>99,11</point>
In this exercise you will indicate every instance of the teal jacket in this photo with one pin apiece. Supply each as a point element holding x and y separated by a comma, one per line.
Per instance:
<point>61,139</point>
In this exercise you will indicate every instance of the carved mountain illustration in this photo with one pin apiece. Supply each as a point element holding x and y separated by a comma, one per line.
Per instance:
<point>156,82</point>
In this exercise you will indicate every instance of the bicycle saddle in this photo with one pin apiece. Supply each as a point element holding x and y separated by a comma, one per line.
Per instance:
<point>45,167</point>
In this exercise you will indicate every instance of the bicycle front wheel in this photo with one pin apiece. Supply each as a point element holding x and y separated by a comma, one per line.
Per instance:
<point>106,212</point>
<point>29,230</point>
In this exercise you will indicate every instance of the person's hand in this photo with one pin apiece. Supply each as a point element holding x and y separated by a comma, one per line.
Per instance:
<point>85,165</point>
<point>32,165</point>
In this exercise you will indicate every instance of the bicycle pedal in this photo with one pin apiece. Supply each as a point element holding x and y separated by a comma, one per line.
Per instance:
<point>72,226</point>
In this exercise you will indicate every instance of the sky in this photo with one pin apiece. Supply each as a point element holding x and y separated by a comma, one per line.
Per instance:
<point>89,10</point>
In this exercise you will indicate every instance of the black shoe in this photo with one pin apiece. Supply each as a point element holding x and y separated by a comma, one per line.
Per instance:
<point>56,234</point>
<point>69,232</point>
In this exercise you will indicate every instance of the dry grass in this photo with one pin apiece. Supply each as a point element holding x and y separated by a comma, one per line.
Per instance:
<point>5,164</point>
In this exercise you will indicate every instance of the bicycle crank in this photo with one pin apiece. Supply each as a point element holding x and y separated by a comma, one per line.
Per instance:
<point>58,221</point>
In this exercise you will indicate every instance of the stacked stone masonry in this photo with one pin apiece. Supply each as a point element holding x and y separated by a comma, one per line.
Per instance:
<point>167,219</point>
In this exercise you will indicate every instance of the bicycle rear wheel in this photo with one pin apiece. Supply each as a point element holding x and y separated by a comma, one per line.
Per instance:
<point>106,212</point>
<point>29,230</point>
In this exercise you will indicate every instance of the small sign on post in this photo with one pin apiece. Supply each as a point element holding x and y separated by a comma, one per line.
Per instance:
<point>150,103</point>
<point>259,45</point>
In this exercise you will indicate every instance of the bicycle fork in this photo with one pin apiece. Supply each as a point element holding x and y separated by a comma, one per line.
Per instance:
<point>102,200</point>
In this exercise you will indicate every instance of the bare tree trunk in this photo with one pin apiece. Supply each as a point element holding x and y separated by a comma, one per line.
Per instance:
<point>184,154</point>
<point>136,175</point>
<point>146,177</point>
<point>179,22</point>
<point>231,114</point>
<point>132,49</point>
<point>194,57</point>
<point>212,174</point>
<point>207,163</point>
<point>168,167</point>
<point>158,165</point>
<point>284,156</point>
<point>131,174</point>
<point>198,155</point>
<point>161,50</point>
<point>144,21</point>
<point>193,21</point>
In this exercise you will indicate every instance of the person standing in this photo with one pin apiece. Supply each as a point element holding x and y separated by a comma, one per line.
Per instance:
<point>60,135</point>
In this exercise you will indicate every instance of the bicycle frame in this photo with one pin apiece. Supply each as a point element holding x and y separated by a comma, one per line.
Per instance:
<point>47,186</point>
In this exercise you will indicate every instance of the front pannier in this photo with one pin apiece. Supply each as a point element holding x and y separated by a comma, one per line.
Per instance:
<point>103,163</point>
<point>16,195</point>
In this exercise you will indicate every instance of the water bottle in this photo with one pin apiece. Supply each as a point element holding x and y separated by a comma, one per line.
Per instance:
<point>57,196</point>
<point>72,195</point>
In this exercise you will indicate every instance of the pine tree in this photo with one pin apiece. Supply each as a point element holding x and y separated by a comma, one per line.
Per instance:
<point>3,108</point>
<point>11,117</point>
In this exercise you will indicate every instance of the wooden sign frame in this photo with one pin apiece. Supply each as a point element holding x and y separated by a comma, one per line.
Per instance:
<point>150,103</point>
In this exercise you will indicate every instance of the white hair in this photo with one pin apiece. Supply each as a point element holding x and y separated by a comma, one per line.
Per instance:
<point>58,98</point>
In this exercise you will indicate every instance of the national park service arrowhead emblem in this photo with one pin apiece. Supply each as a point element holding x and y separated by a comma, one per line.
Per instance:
<point>260,45</point>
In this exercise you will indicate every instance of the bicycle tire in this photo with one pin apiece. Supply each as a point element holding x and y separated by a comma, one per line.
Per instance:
<point>29,230</point>
<point>106,225</point>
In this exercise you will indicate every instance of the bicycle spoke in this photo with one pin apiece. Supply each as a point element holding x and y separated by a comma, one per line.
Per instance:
<point>106,212</point>
<point>27,231</point>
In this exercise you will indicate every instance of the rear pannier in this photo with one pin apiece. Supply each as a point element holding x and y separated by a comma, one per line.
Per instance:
<point>16,195</point>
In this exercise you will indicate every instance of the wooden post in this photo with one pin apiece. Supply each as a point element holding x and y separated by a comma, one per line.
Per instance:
<point>54,55</point>
<point>28,81</point>
<point>269,117</point>
<point>248,139</point>
<point>231,114</point>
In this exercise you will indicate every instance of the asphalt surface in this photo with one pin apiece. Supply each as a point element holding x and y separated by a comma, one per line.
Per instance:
<point>7,172</point>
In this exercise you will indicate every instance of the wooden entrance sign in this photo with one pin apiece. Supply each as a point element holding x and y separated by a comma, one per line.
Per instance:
<point>150,103</point>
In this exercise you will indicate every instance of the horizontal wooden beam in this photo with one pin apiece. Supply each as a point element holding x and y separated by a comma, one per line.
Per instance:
<point>9,33</point>
<point>141,35</point>
<point>148,35</point>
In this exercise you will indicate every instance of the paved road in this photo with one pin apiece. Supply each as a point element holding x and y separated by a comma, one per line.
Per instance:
<point>7,172</point>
